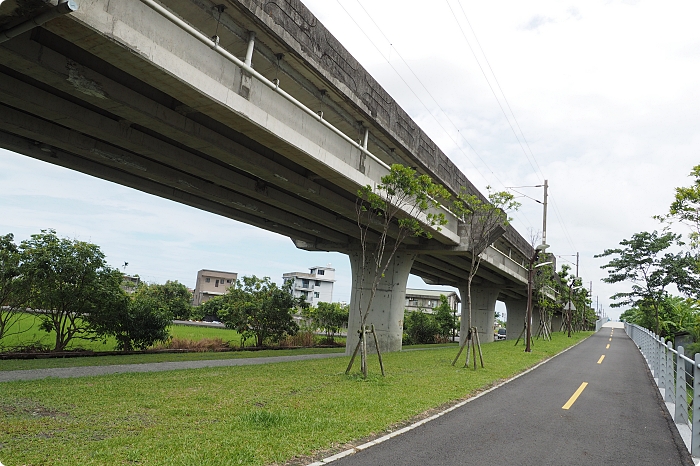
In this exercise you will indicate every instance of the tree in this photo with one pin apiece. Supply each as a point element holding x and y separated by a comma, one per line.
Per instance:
<point>482,222</point>
<point>686,208</point>
<point>545,288</point>
<point>386,215</point>
<point>210,308</point>
<point>139,322</point>
<point>259,308</point>
<point>421,327</point>
<point>643,262</point>
<point>675,314</point>
<point>331,317</point>
<point>444,318</point>
<point>173,296</point>
<point>71,281</point>
<point>14,287</point>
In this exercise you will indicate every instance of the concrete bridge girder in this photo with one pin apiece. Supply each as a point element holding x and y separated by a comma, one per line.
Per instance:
<point>119,92</point>
<point>206,82</point>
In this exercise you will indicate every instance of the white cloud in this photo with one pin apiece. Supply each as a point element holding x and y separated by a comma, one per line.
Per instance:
<point>605,93</point>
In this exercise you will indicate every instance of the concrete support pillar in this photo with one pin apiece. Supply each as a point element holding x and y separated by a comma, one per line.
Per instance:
<point>388,306</point>
<point>483,311</point>
<point>516,310</point>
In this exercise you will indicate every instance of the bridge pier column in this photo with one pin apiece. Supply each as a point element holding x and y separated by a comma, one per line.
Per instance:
<point>389,302</point>
<point>483,311</point>
<point>516,310</point>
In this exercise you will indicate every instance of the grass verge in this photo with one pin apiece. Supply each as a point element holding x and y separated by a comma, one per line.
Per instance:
<point>251,415</point>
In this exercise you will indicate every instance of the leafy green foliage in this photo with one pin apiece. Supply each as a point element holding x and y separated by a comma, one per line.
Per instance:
<point>140,322</point>
<point>209,308</point>
<point>546,290</point>
<point>173,297</point>
<point>675,314</point>
<point>14,287</point>
<point>329,317</point>
<point>403,204</point>
<point>420,327</point>
<point>257,307</point>
<point>395,207</point>
<point>70,281</point>
<point>644,263</point>
<point>686,208</point>
<point>480,221</point>
<point>444,318</point>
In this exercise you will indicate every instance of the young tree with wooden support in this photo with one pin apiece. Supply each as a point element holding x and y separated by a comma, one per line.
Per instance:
<point>482,222</point>
<point>403,204</point>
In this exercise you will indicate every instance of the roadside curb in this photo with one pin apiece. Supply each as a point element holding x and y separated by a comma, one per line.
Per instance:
<point>417,424</point>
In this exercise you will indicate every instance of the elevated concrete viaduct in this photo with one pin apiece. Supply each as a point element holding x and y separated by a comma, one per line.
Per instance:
<point>249,109</point>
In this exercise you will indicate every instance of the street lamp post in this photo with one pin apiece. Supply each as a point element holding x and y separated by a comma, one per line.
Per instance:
<point>528,317</point>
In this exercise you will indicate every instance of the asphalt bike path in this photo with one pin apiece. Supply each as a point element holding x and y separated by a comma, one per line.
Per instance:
<point>595,404</point>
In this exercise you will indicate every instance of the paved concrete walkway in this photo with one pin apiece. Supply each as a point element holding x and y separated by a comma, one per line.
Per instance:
<point>87,371</point>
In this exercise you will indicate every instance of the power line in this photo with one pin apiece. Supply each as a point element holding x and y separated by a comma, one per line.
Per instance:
<point>538,171</point>
<point>411,89</point>
<point>490,86</point>
<point>427,92</point>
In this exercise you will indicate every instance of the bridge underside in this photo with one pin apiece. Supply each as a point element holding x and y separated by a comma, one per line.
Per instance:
<point>84,100</point>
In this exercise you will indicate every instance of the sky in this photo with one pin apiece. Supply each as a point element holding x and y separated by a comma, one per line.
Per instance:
<point>600,98</point>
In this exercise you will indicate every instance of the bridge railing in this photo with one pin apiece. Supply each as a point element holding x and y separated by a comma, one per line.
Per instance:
<point>678,379</point>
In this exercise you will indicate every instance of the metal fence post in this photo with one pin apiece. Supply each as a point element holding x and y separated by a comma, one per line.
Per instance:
<point>681,414</point>
<point>695,437</point>
<point>670,375</point>
<point>657,357</point>
<point>662,364</point>
<point>652,356</point>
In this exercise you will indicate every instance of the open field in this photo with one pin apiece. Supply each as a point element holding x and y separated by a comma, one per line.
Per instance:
<point>252,415</point>
<point>31,334</point>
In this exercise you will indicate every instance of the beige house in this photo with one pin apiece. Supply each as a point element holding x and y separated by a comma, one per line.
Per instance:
<point>212,283</point>
<point>427,300</point>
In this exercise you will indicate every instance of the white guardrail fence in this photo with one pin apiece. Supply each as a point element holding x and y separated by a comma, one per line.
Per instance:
<point>678,378</point>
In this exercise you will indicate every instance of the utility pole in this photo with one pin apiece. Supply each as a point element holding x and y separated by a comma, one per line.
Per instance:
<point>577,264</point>
<point>544,219</point>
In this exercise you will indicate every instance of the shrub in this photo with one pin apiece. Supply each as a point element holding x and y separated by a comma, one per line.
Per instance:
<point>303,338</point>
<point>203,345</point>
<point>420,327</point>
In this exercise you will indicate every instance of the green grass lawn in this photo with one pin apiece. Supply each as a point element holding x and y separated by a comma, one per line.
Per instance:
<point>23,364</point>
<point>252,415</point>
<point>29,333</point>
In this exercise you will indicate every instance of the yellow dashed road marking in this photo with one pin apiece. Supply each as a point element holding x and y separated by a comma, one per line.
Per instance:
<point>575,396</point>
<point>600,361</point>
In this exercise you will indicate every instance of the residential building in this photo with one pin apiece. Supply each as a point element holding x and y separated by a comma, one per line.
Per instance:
<point>427,300</point>
<point>130,283</point>
<point>315,286</point>
<point>212,283</point>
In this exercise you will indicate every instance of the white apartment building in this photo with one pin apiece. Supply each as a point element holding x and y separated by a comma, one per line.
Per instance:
<point>212,283</point>
<point>315,286</point>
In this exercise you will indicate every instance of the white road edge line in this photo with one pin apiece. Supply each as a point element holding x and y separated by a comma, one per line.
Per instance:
<point>403,430</point>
